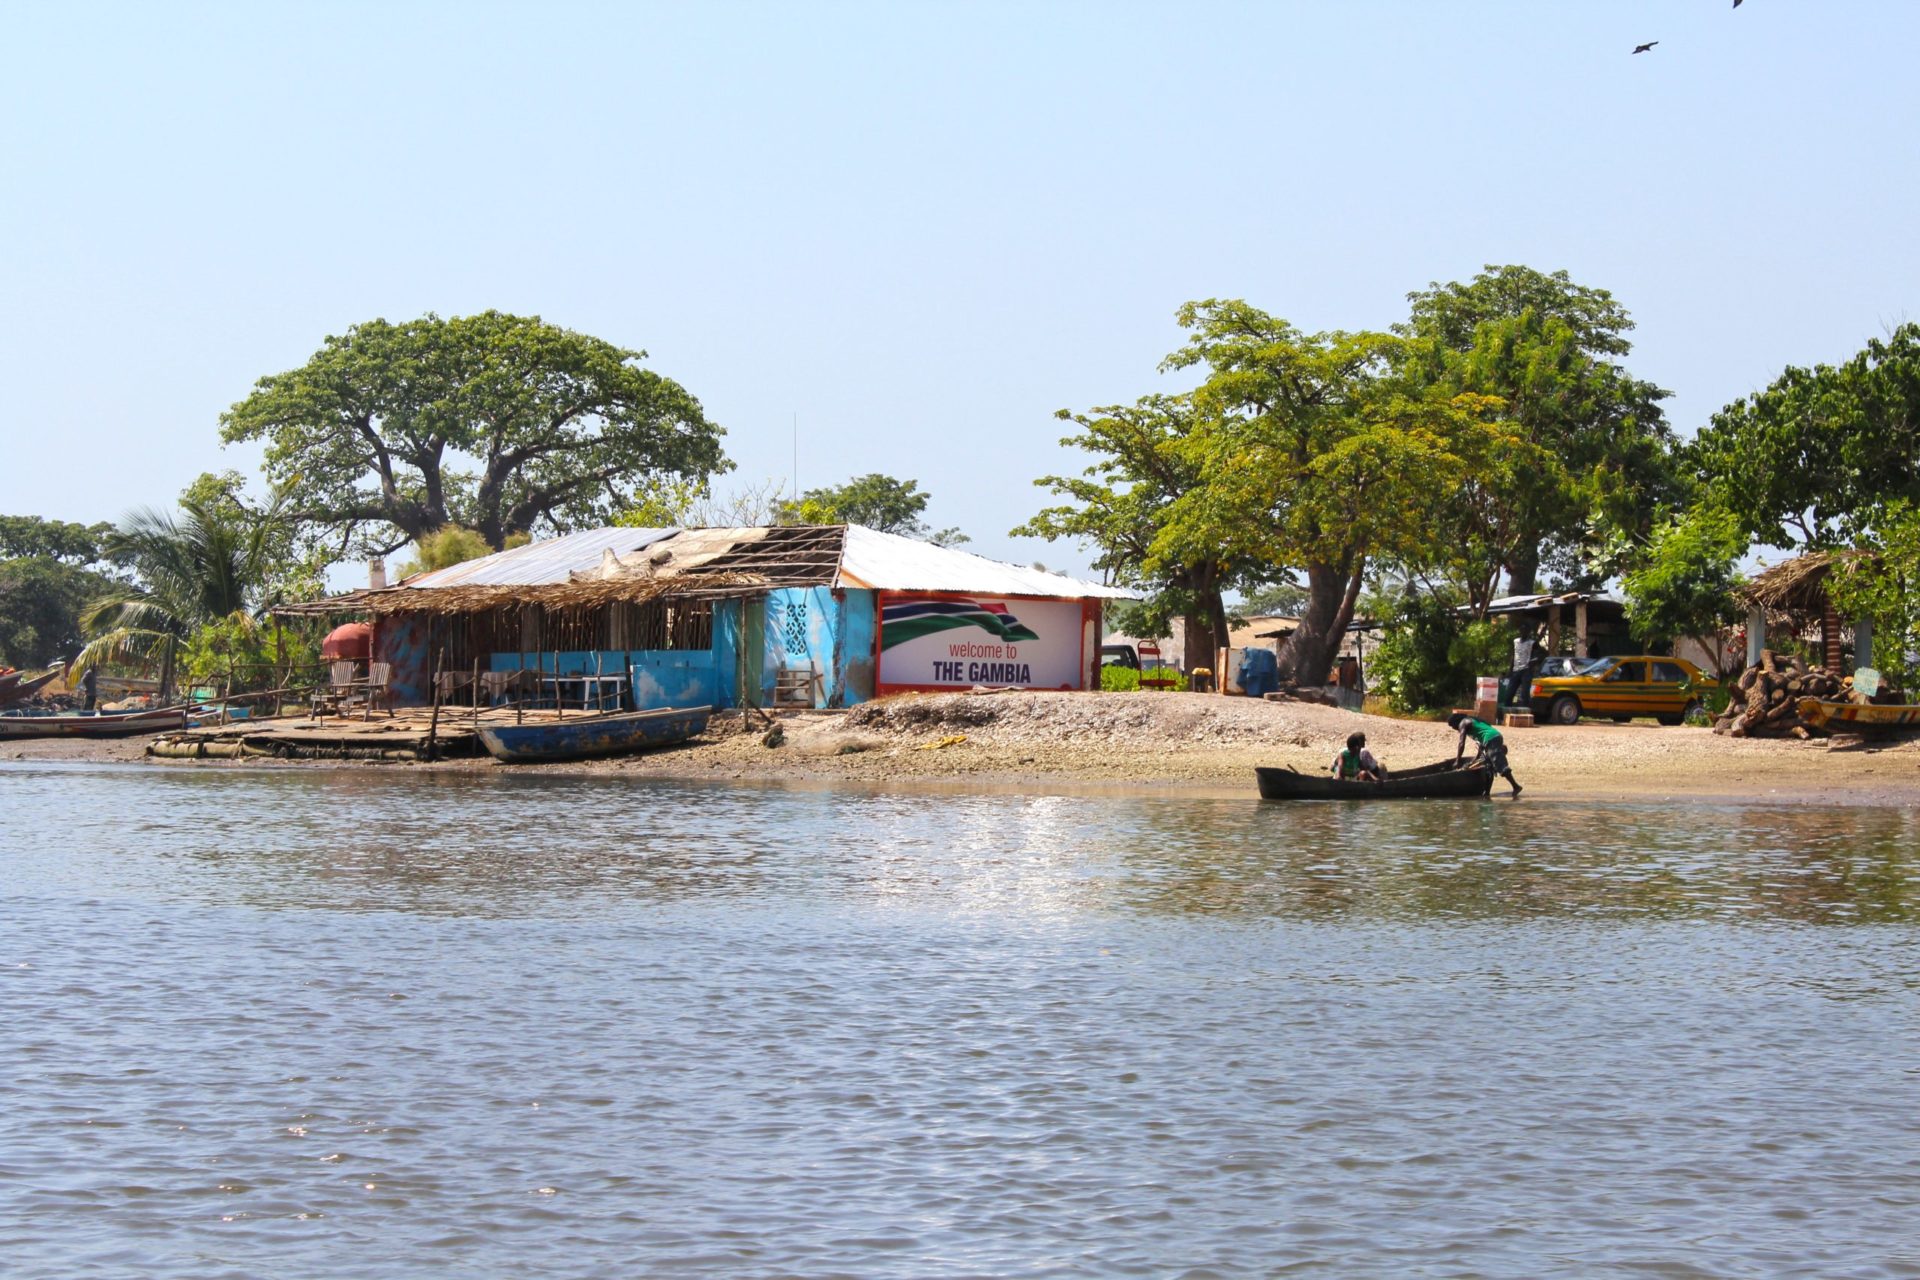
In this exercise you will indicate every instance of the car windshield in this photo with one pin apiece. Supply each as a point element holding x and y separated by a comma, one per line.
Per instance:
<point>1589,666</point>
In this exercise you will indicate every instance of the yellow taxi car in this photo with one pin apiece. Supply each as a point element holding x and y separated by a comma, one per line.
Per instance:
<point>1669,689</point>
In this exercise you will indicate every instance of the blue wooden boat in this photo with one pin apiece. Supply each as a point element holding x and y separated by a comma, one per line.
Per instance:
<point>578,737</point>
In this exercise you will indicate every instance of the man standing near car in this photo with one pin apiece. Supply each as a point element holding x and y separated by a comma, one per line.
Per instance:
<point>1520,674</point>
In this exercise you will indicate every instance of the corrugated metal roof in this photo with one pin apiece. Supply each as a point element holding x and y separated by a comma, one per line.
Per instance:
<point>540,563</point>
<point>890,562</point>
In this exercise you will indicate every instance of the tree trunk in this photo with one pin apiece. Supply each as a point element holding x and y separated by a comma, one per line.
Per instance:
<point>1308,655</point>
<point>1197,647</point>
<point>1523,570</point>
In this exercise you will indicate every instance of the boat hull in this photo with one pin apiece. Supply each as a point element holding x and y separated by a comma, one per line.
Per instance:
<point>1829,714</point>
<point>590,735</point>
<point>92,724</point>
<point>1429,782</point>
<point>15,687</point>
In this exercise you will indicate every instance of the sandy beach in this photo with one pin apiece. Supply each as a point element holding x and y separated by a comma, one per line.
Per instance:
<point>1200,745</point>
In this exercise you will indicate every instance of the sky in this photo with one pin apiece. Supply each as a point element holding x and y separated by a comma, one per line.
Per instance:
<point>909,233</point>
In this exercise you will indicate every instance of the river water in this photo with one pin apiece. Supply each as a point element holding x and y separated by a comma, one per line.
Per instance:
<point>385,1022</point>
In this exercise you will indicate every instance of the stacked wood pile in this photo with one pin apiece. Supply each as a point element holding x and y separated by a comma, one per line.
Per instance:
<point>1764,702</point>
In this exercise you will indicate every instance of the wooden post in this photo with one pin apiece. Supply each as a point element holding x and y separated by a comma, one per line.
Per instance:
<point>1580,629</point>
<point>1553,629</point>
<point>559,703</point>
<point>433,722</point>
<point>474,691</point>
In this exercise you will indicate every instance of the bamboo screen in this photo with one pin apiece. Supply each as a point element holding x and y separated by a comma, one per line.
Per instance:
<point>461,640</point>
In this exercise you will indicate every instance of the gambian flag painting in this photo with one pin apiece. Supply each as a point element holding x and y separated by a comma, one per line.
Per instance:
<point>911,619</point>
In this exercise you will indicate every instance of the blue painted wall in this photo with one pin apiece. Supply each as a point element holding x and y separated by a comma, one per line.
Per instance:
<point>828,632</point>
<point>858,630</point>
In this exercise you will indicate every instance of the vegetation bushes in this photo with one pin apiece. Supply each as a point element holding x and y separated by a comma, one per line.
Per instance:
<point>1431,655</point>
<point>1118,679</point>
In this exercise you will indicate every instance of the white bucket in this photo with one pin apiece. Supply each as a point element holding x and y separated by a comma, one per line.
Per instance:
<point>1487,689</point>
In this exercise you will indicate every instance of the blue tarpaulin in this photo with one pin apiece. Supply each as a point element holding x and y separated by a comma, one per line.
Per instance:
<point>1259,672</point>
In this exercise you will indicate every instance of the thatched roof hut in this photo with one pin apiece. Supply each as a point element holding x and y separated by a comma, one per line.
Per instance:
<point>1796,586</point>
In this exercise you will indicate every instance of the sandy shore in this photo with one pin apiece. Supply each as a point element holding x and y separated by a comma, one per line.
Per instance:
<point>1202,745</point>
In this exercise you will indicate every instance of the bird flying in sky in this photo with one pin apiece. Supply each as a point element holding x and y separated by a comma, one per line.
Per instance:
<point>1642,48</point>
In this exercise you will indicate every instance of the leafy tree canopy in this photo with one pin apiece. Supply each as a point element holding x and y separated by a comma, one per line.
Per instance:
<point>1816,458</point>
<point>1147,456</point>
<point>1321,456</point>
<point>24,537</point>
<point>495,422</point>
<point>1684,580</point>
<point>41,603</point>
<point>1884,586</point>
<point>1599,447</point>
<point>212,560</point>
<point>875,500</point>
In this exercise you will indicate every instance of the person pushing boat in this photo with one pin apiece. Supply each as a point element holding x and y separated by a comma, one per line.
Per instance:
<point>1493,748</point>
<point>1356,763</point>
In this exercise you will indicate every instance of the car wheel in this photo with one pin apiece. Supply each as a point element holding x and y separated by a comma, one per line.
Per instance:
<point>1565,709</point>
<point>1691,710</point>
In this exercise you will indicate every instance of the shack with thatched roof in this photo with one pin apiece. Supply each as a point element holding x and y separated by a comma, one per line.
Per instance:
<point>811,615</point>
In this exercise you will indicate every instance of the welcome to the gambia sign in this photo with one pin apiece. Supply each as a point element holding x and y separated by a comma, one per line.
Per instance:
<point>975,640</point>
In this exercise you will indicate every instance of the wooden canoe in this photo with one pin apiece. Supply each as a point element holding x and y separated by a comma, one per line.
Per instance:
<point>1830,713</point>
<point>92,724</point>
<point>1431,781</point>
<point>578,737</point>
<point>15,687</point>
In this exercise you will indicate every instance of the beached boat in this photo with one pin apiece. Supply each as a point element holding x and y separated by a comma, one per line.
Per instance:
<point>16,687</point>
<point>578,737</point>
<point>1829,713</point>
<point>1427,782</point>
<point>91,724</point>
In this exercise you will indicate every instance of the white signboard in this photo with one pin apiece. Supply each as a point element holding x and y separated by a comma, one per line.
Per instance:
<point>961,641</point>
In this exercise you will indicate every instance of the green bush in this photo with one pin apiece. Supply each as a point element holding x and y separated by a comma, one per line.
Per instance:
<point>1430,656</point>
<point>1126,680</point>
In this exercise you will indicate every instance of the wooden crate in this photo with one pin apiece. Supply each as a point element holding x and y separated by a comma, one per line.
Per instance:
<point>1519,720</point>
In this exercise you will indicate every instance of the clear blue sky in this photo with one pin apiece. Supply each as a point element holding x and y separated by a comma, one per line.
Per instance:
<point>919,227</point>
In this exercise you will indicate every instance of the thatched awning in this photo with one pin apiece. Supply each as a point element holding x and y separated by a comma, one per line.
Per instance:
<point>585,593</point>
<point>1797,585</point>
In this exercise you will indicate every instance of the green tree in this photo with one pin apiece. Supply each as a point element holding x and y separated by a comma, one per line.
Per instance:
<point>1819,458</point>
<point>41,604</point>
<point>35,538</point>
<point>495,422</point>
<point>1590,450</point>
<point>1284,598</point>
<point>1683,581</point>
<point>875,500</point>
<point>1318,458</point>
<point>1431,652</point>
<point>1882,583</point>
<point>1146,459</point>
<point>208,564</point>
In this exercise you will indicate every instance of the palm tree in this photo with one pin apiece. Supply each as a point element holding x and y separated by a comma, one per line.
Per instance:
<point>209,564</point>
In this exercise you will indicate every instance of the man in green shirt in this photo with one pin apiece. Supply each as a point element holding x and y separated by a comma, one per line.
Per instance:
<point>1493,748</point>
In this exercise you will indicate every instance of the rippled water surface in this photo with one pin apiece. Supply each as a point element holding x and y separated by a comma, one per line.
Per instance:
<point>382,1023</point>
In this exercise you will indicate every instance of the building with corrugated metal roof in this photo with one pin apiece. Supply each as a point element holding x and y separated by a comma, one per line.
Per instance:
<point>802,616</point>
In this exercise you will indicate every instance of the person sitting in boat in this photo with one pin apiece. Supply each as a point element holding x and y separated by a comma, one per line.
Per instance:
<point>1356,763</point>
<point>1493,748</point>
